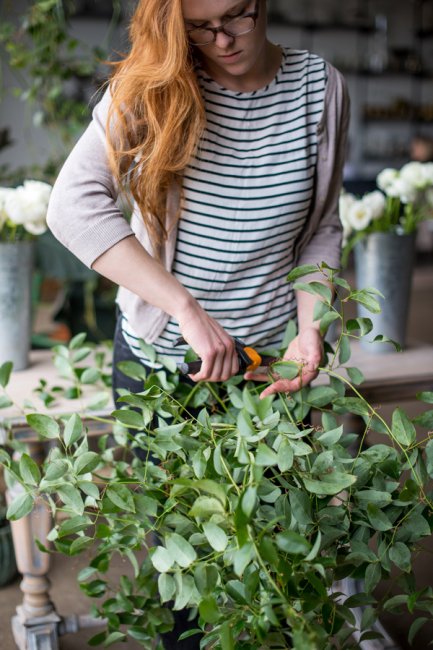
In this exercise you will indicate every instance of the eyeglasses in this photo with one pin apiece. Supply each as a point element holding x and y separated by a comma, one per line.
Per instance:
<point>238,26</point>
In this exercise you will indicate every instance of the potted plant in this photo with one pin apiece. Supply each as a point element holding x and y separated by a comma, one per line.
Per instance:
<point>381,227</point>
<point>250,517</point>
<point>22,218</point>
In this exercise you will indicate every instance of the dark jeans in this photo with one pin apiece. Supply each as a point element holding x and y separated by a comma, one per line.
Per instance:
<point>122,352</point>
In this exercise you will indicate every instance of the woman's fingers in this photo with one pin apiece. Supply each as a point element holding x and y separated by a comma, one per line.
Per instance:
<point>213,345</point>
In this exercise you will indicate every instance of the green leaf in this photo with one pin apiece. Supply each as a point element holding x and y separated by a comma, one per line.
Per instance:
<point>400,555</point>
<point>5,373</point>
<point>248,501</point>
<point>45,425</point>
<point>56,470</point>
<point>425,419</point>
<point>114,637</point>
<point>364,325</point>
<point>226,637</point>
<point>316,289</point>
<point>354,405</point>
<point>121,496</point>
<point>185,588</point>
<point>129,418</point>
<point>320,396</point>
<point>208,610</point>
<point>402,428</point>
<point>415,628</point>
<point>242,557</point>
<point>90,376</point>
<point>181,550</point>
<point>286,369</point>
<point>330,484</point>
<point>366,298</point>
<point>205,507</point>
<point>86,462</point>
<point>77,340</point>
<point>429,456</point>
<point>373,575</point>
<point>355,376</point>
<point>344,351</point>
<point>293,543</point>
<point>327,321</point>
<point>285,456</point>
<point>162,559</point>
<point>377,518</point>
<point>300,271</point>
<point>132,369</point>
<point>90,489</point>
<point>426,396</point>
<point>20,507</point>
<point>265,456</point>
<point>206,577</point>
<point>71,497</point>
<point>5,402</point>
<point>380,498</point>
<point>73,430</point>
<point>29,470</point>
<point>216,536</point>
<point>166,585</point>
<point>330,438</point>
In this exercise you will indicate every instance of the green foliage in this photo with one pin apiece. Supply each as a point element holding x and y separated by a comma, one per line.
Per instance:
<point>248,515</point>
<point>57,74</point>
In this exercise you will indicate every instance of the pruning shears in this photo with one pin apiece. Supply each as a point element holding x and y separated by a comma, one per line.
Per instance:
<point>249,358</point>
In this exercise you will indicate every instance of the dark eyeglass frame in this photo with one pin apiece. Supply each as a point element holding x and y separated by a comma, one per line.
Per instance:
<point>222,28</point>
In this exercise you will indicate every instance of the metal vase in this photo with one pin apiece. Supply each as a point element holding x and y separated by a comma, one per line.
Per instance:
<point>16,267</point>
<point>385,261</point>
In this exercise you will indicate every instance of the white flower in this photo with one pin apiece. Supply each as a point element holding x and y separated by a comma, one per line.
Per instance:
<point>376,201</point>
<point>428,173</point>
<point>415,174</point>
<point>345,202</point>
<point>386,178</point>
<point>403,190</point>
<point>27,206</point>
<point>360,215</point>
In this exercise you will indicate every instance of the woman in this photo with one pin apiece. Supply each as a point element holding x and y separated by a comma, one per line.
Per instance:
<point>232,148</point>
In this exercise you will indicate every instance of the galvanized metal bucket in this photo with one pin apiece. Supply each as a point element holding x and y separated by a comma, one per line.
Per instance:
<point>16,267</point>
<point>385,261</point>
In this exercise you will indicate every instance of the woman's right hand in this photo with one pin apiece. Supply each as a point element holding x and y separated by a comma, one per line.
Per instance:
<point>211,343</point>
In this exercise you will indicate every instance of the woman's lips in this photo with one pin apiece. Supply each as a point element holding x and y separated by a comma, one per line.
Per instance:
<point>230,57</point>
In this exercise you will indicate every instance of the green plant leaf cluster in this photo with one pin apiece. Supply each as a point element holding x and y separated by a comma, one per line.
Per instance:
<point>241,509</point>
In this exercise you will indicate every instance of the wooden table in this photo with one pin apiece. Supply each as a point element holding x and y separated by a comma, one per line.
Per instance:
<point>390,377</point>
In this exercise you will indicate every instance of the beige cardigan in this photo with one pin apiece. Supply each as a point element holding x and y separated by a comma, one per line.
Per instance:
<point>84,216</point>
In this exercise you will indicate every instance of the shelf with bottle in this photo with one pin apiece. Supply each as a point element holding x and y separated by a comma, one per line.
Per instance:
<point>401,110</point>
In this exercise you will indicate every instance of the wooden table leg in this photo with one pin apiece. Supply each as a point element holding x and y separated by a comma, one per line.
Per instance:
<point>35,626</point>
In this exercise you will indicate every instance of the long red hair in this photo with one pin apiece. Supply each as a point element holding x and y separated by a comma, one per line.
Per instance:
<point>157,114</point>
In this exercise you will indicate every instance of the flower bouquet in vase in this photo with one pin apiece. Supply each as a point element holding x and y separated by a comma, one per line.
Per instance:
<point>380,227</point>
<point>22,217</point>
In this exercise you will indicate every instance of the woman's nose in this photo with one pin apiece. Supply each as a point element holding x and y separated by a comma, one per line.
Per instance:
<point>223,40</point>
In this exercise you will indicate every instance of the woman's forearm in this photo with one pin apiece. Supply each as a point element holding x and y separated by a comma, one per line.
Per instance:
<point>127,264</point>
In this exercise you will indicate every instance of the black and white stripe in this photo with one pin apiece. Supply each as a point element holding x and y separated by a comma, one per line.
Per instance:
<point>246,196</point>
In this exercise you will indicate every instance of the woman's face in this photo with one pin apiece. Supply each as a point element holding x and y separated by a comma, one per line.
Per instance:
<point>228,58</point>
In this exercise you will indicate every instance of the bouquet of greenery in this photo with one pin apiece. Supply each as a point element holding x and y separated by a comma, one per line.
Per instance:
<point>403,200</point>
<point>23,211</point>
<point>237,508</point>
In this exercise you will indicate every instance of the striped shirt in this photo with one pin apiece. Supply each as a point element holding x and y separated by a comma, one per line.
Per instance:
<point>246,197</point>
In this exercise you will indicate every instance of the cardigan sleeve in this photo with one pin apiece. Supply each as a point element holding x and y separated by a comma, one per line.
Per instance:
<point>321,240</point>
<point>83,213</point>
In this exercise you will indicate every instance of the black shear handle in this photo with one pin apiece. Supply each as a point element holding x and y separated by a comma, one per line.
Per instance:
<point>190,368</point>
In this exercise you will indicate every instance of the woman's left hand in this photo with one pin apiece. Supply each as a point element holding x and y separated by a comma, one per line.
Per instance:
<point>307,350</point>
